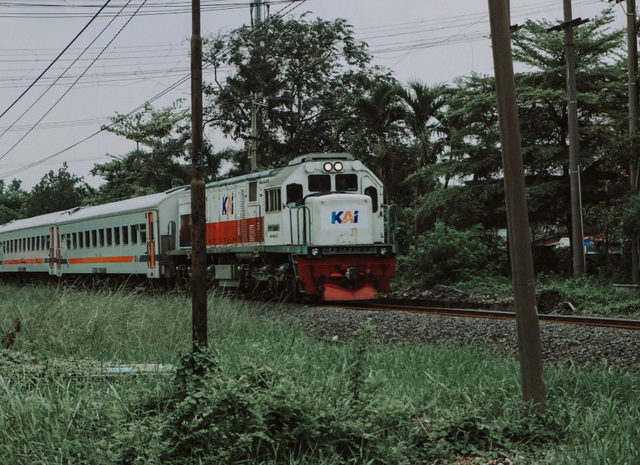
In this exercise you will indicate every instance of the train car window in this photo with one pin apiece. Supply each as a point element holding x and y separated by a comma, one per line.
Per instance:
<point>294,193</point>
<point>143,233</point>
<point>109,237</point>
<point>80,240</point>
<point>38,243</point>
<point>116,236</point>
<point>94,238</point>
<point>68,236</point>
<point>319,183</point>
<point>101,237</point>
<point>185,230</point>
<point>75,240</point>
<point>171,232</point>
<point>33,243</point>
<point>24,245</point>
<point>253,191</point>
<point>48,239</point>
<point>346,182</point>
<point>125,235</point>
<point>373,193</point>
<point>274,200</point>
<point>134,234</point>
<point>87,238</point>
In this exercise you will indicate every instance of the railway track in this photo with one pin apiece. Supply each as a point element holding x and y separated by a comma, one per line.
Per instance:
<point>499,315</point>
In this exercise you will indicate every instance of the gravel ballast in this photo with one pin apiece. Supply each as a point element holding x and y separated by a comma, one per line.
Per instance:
<point>560,342</point>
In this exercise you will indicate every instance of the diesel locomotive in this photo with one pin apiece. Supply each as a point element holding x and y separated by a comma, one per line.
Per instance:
<point>317,227</point>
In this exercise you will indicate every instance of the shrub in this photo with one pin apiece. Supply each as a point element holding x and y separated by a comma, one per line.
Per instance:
<point>446,255</point>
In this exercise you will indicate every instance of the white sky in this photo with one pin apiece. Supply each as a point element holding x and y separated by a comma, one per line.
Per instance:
<point>430,40</point>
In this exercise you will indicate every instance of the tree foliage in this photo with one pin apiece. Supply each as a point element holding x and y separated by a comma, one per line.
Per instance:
<point>56,192</point>
<point>299,71</point>
<point>12,201</point>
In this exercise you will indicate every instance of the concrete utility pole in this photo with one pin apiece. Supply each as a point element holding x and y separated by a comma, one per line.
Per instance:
<point>527,327</point>
<point>198,214</point>
<point>577,233</point>
<point>254,134</point>
<point>257,13</point>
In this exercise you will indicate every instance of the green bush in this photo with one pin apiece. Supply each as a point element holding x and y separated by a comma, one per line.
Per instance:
<point>447,255</point>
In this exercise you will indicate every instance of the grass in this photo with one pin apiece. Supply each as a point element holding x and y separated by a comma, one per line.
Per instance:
<point>589,295</point>
<point>277,396</point>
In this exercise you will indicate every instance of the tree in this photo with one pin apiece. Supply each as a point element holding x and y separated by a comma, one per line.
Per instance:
<point>140,172</point>
<point>375,113</point>
<point>12,201</point>
<point>299,71</point>
<point>424,107</point>
<point>56,192</point>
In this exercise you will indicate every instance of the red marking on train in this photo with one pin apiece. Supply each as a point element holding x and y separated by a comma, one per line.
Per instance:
<point>234,232</point>
<point>27,261</point>
<point>123,259</point>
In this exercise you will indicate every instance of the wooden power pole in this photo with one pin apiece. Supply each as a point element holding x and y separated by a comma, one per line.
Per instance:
<point>198,214</point>
<point>632,45</point>
<point>527,327</point>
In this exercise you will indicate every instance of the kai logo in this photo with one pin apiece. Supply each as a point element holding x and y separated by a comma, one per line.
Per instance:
<point>227,205</point>
<point>344,217</point>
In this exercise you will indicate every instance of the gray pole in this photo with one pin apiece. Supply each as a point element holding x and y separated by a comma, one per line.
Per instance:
<point>198,214</point>
<point>577,235</point>
<point>528,331</point>
<point>254,134</point>
<point>632,46</point>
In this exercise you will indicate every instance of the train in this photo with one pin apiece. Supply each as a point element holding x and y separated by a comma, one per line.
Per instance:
<point>315,228</point>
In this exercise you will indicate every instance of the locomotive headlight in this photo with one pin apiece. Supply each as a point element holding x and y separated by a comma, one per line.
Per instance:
<point>315,252</point>
<point>338,166</point>
<point>384,251</point>
<point>328,166</point>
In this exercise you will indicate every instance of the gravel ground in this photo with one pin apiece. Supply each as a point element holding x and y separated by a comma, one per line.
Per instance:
<point>560,342</point>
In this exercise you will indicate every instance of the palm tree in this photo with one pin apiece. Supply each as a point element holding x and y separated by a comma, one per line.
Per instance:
<point>423,116</point>
<point>375,114</point>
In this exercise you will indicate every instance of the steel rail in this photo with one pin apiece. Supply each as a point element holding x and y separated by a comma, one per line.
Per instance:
<point>499,315</point>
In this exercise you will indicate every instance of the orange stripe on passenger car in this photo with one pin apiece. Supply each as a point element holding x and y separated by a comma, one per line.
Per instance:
<point>29,261</point>
<point>79,261</point>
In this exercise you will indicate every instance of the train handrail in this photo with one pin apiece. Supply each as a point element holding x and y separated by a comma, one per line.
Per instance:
<point>391,234</point>
<point>305,230</point>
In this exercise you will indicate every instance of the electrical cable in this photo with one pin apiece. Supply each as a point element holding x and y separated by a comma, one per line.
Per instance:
<point>56,59</point>
<point>76,81</point>
<point>170,88</point>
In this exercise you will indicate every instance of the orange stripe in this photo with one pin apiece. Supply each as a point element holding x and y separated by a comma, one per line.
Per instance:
<point>29,261</point>
<point>123,259</point>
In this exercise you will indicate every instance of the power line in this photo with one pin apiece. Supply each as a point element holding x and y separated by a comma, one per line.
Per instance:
<point>175,85</point>
<point>56,59</point>
<point>80,77</point>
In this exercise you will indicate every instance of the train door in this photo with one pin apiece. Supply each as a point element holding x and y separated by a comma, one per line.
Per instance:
<point>151,239</point>
<point>254,214</point>
<point>55,258</point>
<point>370,188</point>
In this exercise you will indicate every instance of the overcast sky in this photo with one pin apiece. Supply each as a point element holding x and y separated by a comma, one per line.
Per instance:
<point>434,41</point>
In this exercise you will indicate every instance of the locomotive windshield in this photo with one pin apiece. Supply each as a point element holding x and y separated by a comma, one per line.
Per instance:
<point>319,183</point>
<point>346,182</point>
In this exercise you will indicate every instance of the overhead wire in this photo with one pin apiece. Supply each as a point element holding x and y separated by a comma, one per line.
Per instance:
<point>55,60</point>
<point>378,32</point>
<point>154,98</point>
<point>79,77</point>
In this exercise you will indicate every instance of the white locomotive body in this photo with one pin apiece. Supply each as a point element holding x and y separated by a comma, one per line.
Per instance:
<point>316,226</point>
